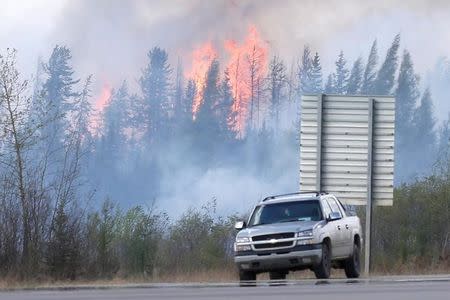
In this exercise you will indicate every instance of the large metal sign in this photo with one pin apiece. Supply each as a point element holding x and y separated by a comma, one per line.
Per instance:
<point>347,147</point>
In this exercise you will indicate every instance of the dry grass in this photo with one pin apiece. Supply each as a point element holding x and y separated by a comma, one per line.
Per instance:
<point>227,274</point>
<point>413,267</point>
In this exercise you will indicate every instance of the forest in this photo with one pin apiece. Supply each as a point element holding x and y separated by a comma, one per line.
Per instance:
<point>100,194</point>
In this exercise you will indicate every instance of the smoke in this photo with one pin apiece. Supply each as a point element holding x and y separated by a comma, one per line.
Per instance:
<point>111,38</point>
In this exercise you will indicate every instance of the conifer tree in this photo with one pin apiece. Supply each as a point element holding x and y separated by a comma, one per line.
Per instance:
<point>385,79</point>
<point>316,75</point>
<point>355,79</point>
<point>277,83</point>
<point>115,122</point>
<point>341,75</point>
<point>155,84</point>
<point>329,86</point>
<point>370,72</point>
<point>178,110</point>
<point>206,120</point>
<point>58,93</point>
<point>305,72</point>
<point>424,123</point>
<point>224,108</point>
<point>407,94</point>
<point>424,134</point>
<point>63,255</point>
<point>189,96</point>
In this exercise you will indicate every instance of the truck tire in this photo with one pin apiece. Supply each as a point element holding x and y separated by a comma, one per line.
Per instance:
<point>247,276</point>
<point>322,270</point>
<point>277,275</point>
<point>352,264</point>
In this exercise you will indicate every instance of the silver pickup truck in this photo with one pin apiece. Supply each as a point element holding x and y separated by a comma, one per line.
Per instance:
<point>295,232</point>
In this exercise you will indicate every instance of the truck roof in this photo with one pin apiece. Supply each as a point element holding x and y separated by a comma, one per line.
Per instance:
<point>299,196</point>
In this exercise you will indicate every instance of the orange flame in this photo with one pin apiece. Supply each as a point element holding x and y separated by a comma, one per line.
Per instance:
<point>100,103</point>
<point>202,58</point>
<point>247,67</point>
<point>103,99</point>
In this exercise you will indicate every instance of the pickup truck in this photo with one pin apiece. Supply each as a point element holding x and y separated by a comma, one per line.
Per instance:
<point>298,231</point>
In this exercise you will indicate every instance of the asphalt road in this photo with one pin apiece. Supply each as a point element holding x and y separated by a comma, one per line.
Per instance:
<point>380,290</point>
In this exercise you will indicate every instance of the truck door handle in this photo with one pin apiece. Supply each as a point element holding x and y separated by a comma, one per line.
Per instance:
<point>346,226</point>
<point>339,227</point>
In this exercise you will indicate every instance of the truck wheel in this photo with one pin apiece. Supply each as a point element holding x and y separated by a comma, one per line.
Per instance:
<point>322,270</point>
<point>277,275</point>
<point>246,276</point>
<point>352,264</point>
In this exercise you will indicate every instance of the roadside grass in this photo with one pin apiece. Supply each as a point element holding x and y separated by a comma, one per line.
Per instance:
<point>226,274</point>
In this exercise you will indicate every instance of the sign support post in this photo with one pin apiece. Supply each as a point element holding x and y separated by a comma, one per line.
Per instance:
<point>369,192</point>
<point>319,143</point>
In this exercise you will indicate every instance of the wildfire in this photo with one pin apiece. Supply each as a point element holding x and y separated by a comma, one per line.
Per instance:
<point>201,60</point>
<point>247,67</point>
<point>104,98</point>
<point>246,63</point>
<point>100,104</point>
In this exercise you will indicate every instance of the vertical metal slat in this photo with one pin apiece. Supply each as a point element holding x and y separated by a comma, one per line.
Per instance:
<point>369,191</point>
<point>319,143</point>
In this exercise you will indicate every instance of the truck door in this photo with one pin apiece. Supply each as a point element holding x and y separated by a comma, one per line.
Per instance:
<point>349,225</point>
<point>340,248</point>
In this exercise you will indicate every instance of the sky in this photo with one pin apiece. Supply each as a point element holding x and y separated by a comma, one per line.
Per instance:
<point>110,38</point>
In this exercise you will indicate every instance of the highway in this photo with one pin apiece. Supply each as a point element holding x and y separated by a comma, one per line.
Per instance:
<point>333,289</point>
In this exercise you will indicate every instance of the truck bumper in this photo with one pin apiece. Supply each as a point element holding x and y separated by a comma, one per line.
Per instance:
<point>288,259</point>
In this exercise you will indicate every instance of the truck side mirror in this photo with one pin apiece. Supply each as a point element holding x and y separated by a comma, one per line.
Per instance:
<point>240,225</point>
<point>334,216</point>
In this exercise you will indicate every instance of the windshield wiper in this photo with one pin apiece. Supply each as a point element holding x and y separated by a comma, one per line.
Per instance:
<point>258,224</point>
<point>290,220</point>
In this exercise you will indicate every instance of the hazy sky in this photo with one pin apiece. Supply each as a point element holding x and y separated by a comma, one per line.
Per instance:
<point>110,38</point>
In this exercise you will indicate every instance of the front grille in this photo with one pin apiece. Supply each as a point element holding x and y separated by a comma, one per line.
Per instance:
<point>276,236</point>
<point>275,245</point>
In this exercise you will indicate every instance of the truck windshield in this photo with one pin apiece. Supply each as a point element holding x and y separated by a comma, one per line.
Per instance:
<point>286,212</point>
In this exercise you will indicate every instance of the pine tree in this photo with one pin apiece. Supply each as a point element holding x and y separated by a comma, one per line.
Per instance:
<point>305,72</point>
<point>370,73</point>
<point>385,80</point>
<point>189,96</point>
<point>330,85</point>
<point>58,91</point>
<point>277,82</point>
<point>355,79</point>
<point>316,75</point>
<point>424,121</point>
<point>63,256</point>
<point>255,61</point>
<point>443,146</point>
<point>424,133</point>
<point>155,84</point>
<point>341,79</point>
<point>115,122</point>
<point>82,112</point>
<point>407,94</point>
<point>206,125</point>
<point>224,109</point>
<point>206,119</point>
<point>178,110</point>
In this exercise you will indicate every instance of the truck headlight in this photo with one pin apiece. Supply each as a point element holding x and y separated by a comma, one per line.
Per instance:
<point>242,240</point>
<point>242,244</point>
<point>305,233</point>
<point>238,248</point>
<point>305,237</point>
